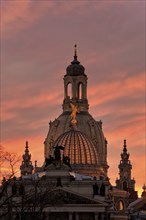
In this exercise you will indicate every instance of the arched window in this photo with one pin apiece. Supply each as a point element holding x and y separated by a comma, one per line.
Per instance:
<point>125,186</point>
<point>120,206</point>
<point>80,90</point>
<point>69,90</point>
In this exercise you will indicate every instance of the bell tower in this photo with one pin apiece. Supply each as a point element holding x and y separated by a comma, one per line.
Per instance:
<point>125,182</point>
<point>75,86</point>
<point>125,167</point>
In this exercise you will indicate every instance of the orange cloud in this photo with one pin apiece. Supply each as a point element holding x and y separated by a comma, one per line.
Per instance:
<point>18,15</point>
<point>34,57</point>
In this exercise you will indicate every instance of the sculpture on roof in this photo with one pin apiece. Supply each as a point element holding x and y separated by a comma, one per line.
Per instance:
<point>57,152</point>
<point>74,113</point>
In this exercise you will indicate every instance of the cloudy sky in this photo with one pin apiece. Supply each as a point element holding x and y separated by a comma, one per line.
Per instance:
<point>37,39</point>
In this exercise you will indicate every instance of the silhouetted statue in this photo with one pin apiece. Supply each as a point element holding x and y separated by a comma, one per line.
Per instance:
<point>102,190</point>
<point>49,160</point>
<point>57,152</point>
<point>95,189</point>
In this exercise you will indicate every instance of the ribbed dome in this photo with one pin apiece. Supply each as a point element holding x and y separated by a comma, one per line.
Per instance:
<point>78,147</point>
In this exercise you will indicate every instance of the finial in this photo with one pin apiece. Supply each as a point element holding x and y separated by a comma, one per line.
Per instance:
<point>75,50</point>
<point>125,145</point>
<point>75,61</point>
<point>26,144</point>
<point>75,55</point>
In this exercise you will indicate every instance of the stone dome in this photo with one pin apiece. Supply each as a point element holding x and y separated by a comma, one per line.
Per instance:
<point>75,69</point>
<point>78,147</point>
<point>90,129</point>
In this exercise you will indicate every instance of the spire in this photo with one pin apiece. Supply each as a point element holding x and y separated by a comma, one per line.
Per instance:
<point>75,56</point>
<point>26,156</point>
<point>26,148</point>
<point>125,146</point>
<point>75,61</point>
<point>26,166</point>
<point>124,154</point>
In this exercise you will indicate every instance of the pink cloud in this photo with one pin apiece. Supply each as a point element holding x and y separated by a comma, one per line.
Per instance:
<point>37,46</point>
<point>21,14</point>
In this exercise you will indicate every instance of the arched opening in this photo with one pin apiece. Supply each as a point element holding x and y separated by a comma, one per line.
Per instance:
<point>125,186</point>
<point>80,90</point>
<point>69,90</point>
<point>120,206</point>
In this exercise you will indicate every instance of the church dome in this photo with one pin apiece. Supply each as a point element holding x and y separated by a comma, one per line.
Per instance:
<point>75,69</point>
<point>88,128</point>
<point>90,145</point>
<point>78,147</point>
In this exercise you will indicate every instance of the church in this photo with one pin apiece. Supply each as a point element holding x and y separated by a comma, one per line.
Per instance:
<point>73,181</point>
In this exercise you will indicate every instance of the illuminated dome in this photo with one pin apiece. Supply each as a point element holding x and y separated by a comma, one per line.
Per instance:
<point>81,151</point>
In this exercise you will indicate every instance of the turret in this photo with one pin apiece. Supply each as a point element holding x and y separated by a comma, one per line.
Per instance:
<point>26,166</point>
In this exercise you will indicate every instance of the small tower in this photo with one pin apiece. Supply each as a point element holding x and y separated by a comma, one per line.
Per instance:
<point>75,86</point>
<point>26,166</point>
<point>125,182</point>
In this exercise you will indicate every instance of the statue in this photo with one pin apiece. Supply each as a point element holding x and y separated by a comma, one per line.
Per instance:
<point>74,113</point>
<point>102,190</point>
<point>49,160</point>
<point>57,152</point>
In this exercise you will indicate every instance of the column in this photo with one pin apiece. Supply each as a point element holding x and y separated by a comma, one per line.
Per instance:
<point>70,214</point>
<point>96,215</point>
<point>76,216</point>
<point>102,216</point>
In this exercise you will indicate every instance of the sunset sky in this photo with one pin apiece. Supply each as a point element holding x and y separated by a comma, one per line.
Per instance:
<point>37,39</point>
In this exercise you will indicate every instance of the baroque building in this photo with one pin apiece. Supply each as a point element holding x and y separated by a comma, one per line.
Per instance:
<point>86,145</point>
<point>73,182</point>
